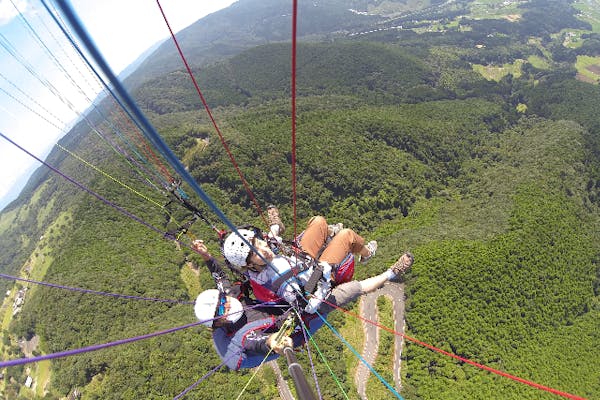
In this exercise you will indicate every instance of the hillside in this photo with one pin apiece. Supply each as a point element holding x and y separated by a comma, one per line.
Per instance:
<point>249,23</point>
<point>493,184</point>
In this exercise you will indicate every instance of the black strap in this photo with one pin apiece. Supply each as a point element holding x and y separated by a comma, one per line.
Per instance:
<point>184,199</point>
<point>295,270</point>
<point>314,278</point>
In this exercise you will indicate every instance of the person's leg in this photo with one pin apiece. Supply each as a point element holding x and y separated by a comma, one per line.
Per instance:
<point>314,236</point>
<point>375,282</point>
<point>399,267</point>
<point>349,291</point>
<point>345,242</point>
<point>340,296</point>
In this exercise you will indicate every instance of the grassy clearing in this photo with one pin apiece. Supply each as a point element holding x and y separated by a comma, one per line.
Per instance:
<point>583,65</point>
<point>42,376</point>
<point>590,12</point>
<point>41,258</point>
<point>35,268</point>
<point>7,310</point>
<point>190,278</point>
<point>539,62</point>
<point>494,73</point>
<point>353,332</point>
<point>495,9</point>
<point>200,146</point>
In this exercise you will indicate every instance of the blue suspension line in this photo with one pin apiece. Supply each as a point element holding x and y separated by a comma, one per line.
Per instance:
<point>360,357</point>
<point>107,87</point>
<point>140,119</point>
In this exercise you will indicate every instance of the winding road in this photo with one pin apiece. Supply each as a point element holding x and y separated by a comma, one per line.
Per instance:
<point>368,310</point>
<point>282,386</point>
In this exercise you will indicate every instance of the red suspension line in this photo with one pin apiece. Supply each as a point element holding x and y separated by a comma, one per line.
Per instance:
<point>189,70</point>
<point>145,148</point>
<point>457,357</point>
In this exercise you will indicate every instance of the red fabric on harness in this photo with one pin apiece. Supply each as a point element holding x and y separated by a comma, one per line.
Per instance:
<point>262,293</point>
<point>344,272</point>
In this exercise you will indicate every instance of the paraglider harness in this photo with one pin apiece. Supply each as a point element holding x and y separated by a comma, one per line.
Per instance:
<point>318,284</point>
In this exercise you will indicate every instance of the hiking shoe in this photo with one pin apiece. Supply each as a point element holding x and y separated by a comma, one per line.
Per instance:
<point>274,219</point>
<point>334,229</point>
<point>372,247</point>
<point>403,264</point>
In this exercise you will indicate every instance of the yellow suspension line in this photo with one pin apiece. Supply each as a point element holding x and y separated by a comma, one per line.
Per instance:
<point>286,329</point>
<point>120,183</point>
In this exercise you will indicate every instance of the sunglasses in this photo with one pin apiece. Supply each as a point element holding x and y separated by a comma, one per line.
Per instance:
<point>222,302</point>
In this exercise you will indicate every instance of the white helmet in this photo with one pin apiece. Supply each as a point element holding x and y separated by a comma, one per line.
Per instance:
<point>206,304</point>
<point>235,250</point>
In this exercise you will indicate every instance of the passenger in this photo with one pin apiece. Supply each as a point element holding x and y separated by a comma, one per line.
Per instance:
<point>275,276</point>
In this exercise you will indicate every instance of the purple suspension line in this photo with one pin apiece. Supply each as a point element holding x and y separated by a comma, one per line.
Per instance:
<point>74,289</point>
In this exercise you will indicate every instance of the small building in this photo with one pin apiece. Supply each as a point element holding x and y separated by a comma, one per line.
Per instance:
<point>28,381</point>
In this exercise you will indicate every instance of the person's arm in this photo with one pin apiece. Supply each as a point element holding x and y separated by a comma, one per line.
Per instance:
<point>218,274</point>
<point>276,227</point>
<point>257,342</point>
<point>263,343</point>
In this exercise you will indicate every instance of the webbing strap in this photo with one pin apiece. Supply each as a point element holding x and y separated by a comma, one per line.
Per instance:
<point>314,279</point>
<point>295,270</point>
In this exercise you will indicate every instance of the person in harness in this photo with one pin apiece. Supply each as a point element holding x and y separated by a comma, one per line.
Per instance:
<point>246,334</point>
<point>323,258</point>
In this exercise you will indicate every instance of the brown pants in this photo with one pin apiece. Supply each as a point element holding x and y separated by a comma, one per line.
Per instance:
<point>346,241</point>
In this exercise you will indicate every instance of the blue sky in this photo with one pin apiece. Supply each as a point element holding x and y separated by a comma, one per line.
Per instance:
<point>38,100</point>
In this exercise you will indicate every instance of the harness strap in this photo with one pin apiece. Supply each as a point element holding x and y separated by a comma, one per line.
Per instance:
<point>314,278</point>
<point>184,199</point>
<point>295,270</point>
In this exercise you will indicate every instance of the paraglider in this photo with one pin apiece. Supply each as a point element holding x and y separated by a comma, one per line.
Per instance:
<point>245,332</point>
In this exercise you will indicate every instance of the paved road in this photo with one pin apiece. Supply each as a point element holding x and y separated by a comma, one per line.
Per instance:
<point>368,310</point>
<point>284,390</point>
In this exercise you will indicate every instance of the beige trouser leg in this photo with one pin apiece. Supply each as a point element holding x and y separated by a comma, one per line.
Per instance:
<point>345,242</point>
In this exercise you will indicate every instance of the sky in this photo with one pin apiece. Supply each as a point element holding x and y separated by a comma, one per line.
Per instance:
<point>44,85</point>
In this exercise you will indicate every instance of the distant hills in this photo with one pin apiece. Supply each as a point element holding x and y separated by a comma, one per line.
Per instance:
<point>249,23</point>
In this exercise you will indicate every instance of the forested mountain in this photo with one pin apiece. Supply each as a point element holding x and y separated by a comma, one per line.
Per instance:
<point>249,23</point>
<point>473,142</point>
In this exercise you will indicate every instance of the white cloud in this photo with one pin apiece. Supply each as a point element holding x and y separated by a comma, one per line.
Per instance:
<point>8,10</point>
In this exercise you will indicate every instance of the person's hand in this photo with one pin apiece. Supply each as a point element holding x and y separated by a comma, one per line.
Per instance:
<point>278,345</point>
<point>201,248</point>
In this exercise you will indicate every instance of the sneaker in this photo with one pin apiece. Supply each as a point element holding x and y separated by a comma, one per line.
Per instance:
<point>334,229</point>
<point>403,264</point>
<point>372,247</point>
<point>274,219</point>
